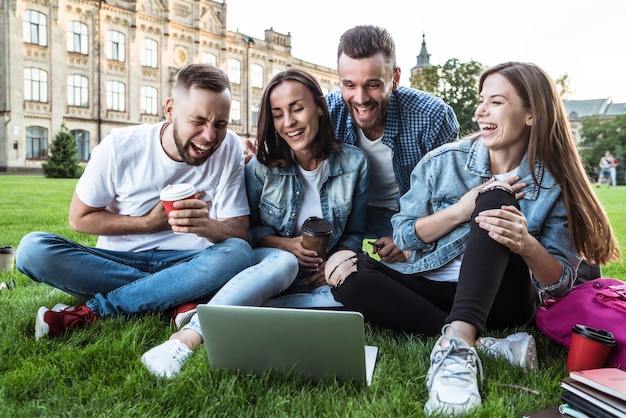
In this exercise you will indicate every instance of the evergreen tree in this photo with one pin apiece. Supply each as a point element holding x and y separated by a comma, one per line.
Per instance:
<point>63,159</point>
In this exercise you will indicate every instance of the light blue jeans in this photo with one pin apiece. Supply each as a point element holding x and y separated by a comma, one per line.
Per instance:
<point>116,282</point>
<point>303,295</point>
<point>274,270</point>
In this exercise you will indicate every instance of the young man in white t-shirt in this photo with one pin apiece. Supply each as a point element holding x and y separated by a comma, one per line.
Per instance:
<point>145,261</point>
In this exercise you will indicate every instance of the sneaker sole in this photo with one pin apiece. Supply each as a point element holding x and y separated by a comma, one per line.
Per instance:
<point>529,360</point>
<point>41,328</point>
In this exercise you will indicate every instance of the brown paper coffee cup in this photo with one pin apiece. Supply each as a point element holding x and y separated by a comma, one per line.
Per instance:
<point>316,234</point>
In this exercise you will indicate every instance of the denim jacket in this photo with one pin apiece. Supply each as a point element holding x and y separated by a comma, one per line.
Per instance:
<point>274,196</point>
<point>444,175</point>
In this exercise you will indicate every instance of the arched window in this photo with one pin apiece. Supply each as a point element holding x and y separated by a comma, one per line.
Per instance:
<point>36,143</point>
<point>82,144</point>
<point>116,94</point>
<point>77,90</point>
<point>35,28</point>
<point>35,85</point>
<point>234,71</point>
<point>149,53</point>
<point>149,100</point>
<point>77,37</point>
<point>115,46</point>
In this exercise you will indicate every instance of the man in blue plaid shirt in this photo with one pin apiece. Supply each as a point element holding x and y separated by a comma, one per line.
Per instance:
<point>395,126</point>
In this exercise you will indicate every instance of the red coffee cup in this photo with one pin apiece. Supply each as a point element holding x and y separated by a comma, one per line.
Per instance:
<point>174,192</point>
<point>589,348</point>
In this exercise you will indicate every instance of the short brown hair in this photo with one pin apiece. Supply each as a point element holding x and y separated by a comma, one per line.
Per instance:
<point>202,76</point>
<point>365,41</point>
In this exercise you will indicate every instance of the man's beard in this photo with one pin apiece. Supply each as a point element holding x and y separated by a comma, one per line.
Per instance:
<point>184,154</point>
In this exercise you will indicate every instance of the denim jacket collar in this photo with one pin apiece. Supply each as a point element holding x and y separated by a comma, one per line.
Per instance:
<point>478,164</point>
<point>333,164</point>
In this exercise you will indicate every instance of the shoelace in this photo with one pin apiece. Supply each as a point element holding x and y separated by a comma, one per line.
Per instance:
<point>179,352</point>
<point>452,353</point>
<point>489,345</point>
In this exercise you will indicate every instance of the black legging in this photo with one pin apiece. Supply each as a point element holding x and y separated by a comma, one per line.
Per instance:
<point>494,289</point>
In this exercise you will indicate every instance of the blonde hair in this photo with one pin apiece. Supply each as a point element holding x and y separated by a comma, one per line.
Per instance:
<point>551,141</point>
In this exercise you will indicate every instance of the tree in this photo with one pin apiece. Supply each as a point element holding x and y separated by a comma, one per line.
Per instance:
<point>564,87</point>
<point>455,83</point>
<point>600,134</point>
<point>63,159</point>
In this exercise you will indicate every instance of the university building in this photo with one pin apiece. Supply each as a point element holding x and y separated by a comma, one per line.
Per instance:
<point>90,66</point>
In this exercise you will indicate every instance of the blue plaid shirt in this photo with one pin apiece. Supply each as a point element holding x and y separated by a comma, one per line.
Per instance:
<point>417,122</point>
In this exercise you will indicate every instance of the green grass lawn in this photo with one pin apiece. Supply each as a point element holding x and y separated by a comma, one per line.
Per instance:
<point>97,371</point>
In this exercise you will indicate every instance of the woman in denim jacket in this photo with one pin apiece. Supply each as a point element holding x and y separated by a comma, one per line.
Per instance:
<point>300,171</point>
<point>492,223</point>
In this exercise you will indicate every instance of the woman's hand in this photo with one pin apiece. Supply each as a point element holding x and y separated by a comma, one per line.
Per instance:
<point>307,259</point>
<point>318,278</point>
<point>508,226</point>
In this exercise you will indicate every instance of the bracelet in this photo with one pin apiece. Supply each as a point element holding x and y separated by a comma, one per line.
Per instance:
<point>497,187</point>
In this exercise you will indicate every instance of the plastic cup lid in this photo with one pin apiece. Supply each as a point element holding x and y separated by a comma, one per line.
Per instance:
<point>7,250</point>
<point>317,226</point>
<point>602,336</point>
<point>177,191</point>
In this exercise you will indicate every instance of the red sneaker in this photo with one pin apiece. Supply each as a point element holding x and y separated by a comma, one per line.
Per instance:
<point>53,323</point>
<point>183,313</point>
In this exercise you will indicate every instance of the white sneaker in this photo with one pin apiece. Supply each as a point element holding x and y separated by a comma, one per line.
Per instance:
<point>166,359</point>
<point>451,380</point>
<point>518,349</point>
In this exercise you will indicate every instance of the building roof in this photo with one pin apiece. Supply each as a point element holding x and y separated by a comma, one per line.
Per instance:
<point>593,107</point>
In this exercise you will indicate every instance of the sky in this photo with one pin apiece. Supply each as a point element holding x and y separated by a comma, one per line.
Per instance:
<point>581,38</point>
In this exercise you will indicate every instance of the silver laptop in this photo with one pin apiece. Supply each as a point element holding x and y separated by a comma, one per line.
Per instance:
<point>314,343</point>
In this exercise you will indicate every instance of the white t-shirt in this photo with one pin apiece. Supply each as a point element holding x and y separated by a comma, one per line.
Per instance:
<point>128,169</point>
<point>311,203</point>
<point>383,189</point>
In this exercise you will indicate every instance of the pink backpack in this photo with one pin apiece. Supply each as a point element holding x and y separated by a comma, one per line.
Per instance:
<point>598,303</point>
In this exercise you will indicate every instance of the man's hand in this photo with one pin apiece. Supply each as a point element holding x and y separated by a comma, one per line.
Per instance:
<point>249,151</point>
<point>387,250</point>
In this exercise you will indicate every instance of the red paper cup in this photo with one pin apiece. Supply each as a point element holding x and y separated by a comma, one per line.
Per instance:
<point>175,192</point>
<point>589,348</point>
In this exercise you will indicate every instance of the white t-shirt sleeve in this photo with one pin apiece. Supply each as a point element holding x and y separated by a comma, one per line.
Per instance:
<point>95,187</point>
<point>230,198</point>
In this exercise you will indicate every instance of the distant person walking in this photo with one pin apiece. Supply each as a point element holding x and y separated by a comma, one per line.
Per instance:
<point>608,170</point>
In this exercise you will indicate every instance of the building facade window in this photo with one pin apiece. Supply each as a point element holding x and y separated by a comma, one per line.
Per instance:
<point>115,46</point>
<point>77,37</point>
<point>35,85</point>
<point>148,100</point>
<point>36,143</point>
<point>256,76</point>
<point>208,58</point>
<point>234,71</point>
<point>77,91</point>
<point>35,28</point>
<point>82,144</point>
<point>254,114</point>
<point>235,112</point>
<point>149,53</point>
<point>116,93</point>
